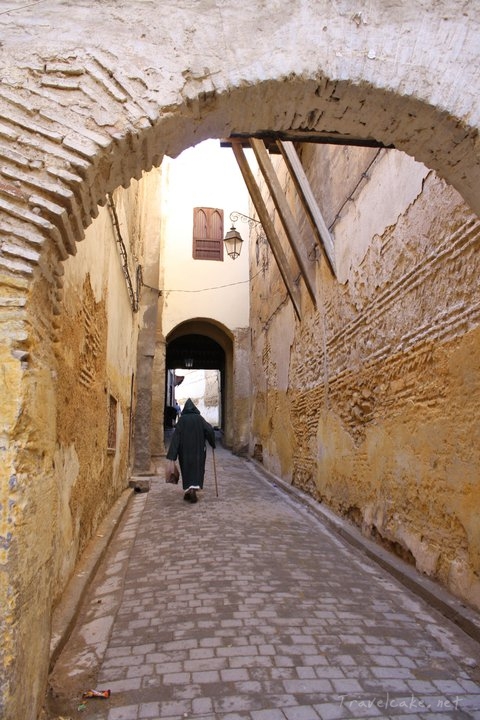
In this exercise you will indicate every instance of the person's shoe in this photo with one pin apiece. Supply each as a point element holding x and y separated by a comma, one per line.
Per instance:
<point>191,495</point>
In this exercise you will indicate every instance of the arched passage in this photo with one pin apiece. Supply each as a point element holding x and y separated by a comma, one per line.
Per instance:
<point>77,121</point>
<point>102,118</point>
<point>209,346</point>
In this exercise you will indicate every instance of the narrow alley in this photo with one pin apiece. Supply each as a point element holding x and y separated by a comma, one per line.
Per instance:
<point>246,606</point>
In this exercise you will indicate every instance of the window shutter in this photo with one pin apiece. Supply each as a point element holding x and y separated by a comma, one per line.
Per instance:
<point>207,233</point>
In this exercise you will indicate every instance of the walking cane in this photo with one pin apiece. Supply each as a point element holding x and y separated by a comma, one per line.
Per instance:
<point>215,472</point>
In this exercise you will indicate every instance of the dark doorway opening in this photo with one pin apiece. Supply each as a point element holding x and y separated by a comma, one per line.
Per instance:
<point>193,352</point>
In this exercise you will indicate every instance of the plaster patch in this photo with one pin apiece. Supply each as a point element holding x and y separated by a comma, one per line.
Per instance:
<point>67,467</point>
<point>393,188</point>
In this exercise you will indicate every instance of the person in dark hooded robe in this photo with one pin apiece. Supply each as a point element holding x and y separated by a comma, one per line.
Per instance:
<point>188,444</point>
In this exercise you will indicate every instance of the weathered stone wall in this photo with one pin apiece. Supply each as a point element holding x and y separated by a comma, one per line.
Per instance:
<point>371,402</point>
<point>95,361</point>
<point>71,471</point>
<point>150,362</point>
<point>241,388</point>
<point>82,112</point>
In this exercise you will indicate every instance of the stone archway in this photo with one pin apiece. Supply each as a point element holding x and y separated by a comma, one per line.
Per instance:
<point>59,162</point>
<point>225,362</point>
<point>78,120</point>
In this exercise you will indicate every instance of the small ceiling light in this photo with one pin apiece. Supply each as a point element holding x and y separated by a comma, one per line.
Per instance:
<point>233,242</point>
<point>188,362</point>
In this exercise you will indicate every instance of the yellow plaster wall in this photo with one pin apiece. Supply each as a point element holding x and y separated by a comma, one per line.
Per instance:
<point>95,360</point>
<point>380,418</point>
<point>26,411</point>
<point>59,479</point>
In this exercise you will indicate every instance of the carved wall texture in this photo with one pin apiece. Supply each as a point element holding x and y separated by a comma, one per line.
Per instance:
<point>85,480</point>
<point>95,360</point>
<point>379,418</point>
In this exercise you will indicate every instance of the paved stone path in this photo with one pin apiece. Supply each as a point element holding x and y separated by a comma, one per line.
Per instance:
<point>246,607</point>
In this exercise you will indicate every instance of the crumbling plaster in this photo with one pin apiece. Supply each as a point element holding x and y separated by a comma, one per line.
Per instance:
<point>79,117</point>
<point>380,416</point>
<point>94,362</point>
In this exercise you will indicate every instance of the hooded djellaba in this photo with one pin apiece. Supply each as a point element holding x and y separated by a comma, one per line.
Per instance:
<point>188,444</point>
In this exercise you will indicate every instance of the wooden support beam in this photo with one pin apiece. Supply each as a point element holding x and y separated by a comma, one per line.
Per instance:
<point>303,136</point>
<point>308,200</point>
<point>307,268</point>
<point>267,225</point>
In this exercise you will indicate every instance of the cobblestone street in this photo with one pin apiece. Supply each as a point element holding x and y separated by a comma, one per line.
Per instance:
<point>247,607</point>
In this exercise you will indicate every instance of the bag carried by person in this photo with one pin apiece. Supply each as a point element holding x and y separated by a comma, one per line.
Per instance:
<point>172,472</point>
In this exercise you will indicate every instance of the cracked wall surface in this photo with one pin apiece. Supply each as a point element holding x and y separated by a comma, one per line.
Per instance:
<point>94,94</point>
<point>370,402</point>
<point>69,467</point>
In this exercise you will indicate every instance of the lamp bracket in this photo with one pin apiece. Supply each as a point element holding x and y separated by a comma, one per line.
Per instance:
<point>235,216</point>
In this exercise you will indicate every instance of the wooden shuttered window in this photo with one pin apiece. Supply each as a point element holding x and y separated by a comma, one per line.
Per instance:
<point>207,233</point>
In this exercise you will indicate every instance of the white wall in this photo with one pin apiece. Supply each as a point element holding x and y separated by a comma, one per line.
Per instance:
<point>203,176</point>
<point>203,388</point>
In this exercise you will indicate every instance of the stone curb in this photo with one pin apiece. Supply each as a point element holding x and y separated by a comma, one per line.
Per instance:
<point>434,594</point>
<point>140,483</point>
<point>66,612</point>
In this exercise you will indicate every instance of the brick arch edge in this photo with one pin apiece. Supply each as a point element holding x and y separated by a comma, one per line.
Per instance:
<point>57,171</point>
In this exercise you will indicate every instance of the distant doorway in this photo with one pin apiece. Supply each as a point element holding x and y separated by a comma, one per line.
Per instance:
<point>199,366</point>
